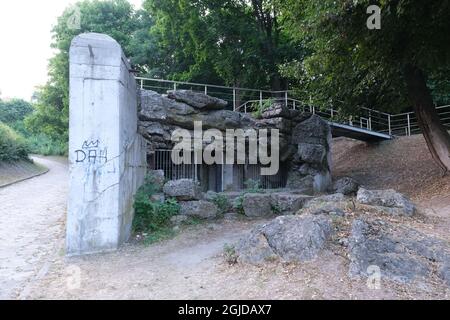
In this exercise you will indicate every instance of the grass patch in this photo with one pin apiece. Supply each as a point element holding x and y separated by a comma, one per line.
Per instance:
<point>159,235</point>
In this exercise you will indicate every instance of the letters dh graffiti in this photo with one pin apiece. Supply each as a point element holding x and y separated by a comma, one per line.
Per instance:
<point>92,153</point>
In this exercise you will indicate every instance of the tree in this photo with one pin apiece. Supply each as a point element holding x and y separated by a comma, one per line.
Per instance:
<point>116,18</point>
<point>232,42</point>
<point>392,68</point>
<point>14,110</point>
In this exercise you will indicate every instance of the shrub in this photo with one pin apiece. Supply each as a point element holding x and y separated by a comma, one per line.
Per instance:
<point>12,145</point>
<point>253,186</point>
<point>238,204</point>
<point>42,144</point>
<point>230,255</point>
<point>221,201</point>
<point>260,108</point>
<point>152,218</point>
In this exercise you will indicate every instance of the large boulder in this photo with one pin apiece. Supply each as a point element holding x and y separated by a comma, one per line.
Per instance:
<point>278,110</point>
<point>346,186</point>
<point>334,204</point>
<point>403,254</point>
<point>158,108</point>
<point>281,124</point>
<point>199,209</point>
<point>311,183</point>
<point>288,203</point>
<point>257,204</point>
<point>226,119</point>
<point>197,100</point>
<point>392,201</point>
<point>158,179</point>
<point>158,135</point>
<point>183,190</point>
<point>311,153</point>
<point>309,169</point>
<point>444,270</point>
<point>291,238</point>
<point>313,130</point>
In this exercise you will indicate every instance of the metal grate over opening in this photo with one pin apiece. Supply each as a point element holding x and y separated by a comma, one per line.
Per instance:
<point>216,177</point>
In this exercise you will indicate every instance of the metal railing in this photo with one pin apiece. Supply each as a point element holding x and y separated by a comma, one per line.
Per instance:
<point>406,124</point>
<point>248,100</point>
<point>234,96</point>
<point>368,119</point>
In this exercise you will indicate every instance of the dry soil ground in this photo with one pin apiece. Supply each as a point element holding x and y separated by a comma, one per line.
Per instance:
<point>191,265</point>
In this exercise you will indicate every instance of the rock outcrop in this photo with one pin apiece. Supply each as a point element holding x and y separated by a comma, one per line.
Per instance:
<point>402,254</point>
<point>347,186</point>
<point>390,201</point>
<point>289,238</point>
<point>304,138</point>
<point>310,165</point>
<point>257,204</point>
<point>199,209</point>
<point>286,203</point>
<point>183,190</point>
<point>197,100</point>
<point>334,204</point>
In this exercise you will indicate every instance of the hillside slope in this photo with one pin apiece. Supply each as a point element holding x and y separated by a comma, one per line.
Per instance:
<point>404,164</point>
<point>11,172</point>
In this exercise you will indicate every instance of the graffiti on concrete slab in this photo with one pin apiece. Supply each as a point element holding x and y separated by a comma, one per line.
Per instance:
<point>91,152</point>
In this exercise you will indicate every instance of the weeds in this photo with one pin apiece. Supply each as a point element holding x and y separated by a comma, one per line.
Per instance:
<point>230,255</point>
<point>152,219</point>
<point>221,201</point>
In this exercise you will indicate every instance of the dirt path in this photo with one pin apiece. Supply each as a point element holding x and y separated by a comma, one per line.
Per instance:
<point>189,266</point>
<point>31,224</point>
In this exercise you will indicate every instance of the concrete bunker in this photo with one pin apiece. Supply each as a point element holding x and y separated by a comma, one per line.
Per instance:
<point>118,132</point>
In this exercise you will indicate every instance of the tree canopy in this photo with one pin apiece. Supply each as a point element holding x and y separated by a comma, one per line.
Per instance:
<point>321,49</point>
<point>349,65</point>
<point>14,110</point>
<point>231,42</point>
<point>116,18</point>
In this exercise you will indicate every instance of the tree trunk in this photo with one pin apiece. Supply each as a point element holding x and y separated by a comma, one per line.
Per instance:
<point>435,134</point>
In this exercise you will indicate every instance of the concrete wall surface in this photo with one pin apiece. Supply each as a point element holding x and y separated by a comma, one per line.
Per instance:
<point>106,154</point>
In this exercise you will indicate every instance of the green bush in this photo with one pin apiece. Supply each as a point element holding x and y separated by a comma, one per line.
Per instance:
<point>238,204</point>
<point>42,144</point>
<point>152,218</point>
<point>253,186</point>
<point>260,108</point>
<point>230,254</point>
<point>12,146</point>
<point>221,201</point>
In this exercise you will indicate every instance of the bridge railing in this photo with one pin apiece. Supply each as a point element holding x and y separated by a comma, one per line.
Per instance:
<point>367,119</point>
<point>246,100</point>
<point>406,124</point>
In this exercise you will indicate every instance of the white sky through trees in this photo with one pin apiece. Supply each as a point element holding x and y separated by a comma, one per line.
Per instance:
<point>25,35</point>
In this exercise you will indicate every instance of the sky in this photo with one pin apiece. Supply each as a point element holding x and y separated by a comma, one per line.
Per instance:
<point>25,37</point>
